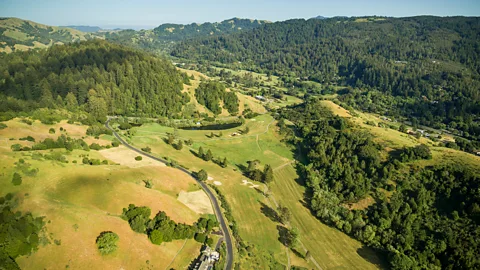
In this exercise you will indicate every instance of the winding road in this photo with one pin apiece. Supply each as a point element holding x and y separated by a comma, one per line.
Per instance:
<point>216,206</point>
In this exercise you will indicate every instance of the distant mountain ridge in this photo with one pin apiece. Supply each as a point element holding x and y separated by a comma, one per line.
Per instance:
<point>162,37</point>
<point>84,28</point>
<point>17,34</point>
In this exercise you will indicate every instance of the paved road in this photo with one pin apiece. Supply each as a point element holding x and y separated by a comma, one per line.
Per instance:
<point>216,206</point>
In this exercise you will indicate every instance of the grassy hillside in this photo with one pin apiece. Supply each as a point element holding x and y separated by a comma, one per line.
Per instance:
<point>20,35</point>
<point>79,201</point>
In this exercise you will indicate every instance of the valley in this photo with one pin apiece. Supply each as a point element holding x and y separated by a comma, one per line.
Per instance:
<point>322,143</point>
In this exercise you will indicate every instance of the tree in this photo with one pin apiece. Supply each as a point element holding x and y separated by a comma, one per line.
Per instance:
<point>71,101</point>
<point>170,139</point>
<point>107,242</point>
<point>292,237</point>
<point>267,174</point>
<point>246,130</point>
<point>200,237</point>
<point>179,145</point>
<point>224,163</point>
<point>202,175</point>
<point>17,179</point>
<point>403,128</point>
<point>284,214</point>
<point>208,156</point>
<point>200,152</point>
<point>138,158</point>
<point>97,106</point>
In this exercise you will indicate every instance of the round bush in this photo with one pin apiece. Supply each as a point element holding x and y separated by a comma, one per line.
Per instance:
<point>138,158</point>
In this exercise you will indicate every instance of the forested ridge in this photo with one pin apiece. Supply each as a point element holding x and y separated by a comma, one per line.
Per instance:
<point>426,68</point>
<point>97,76</point>
<point>425,218</point>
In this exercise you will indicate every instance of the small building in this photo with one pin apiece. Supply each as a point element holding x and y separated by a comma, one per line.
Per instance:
<point>261,98</point>
<point>207,259</point>
<point>478,153</point>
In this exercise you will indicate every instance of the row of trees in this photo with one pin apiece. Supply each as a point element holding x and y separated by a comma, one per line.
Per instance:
<point>162,229</point>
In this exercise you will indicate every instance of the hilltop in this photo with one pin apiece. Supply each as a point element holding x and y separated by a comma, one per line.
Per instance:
<point>84,28</point>
<point>17,34</point>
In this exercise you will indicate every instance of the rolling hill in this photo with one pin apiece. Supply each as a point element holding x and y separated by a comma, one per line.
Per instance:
<point>84,28</point>
<point>20,35</point>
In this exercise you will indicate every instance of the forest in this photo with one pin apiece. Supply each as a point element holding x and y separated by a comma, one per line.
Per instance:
<point>425,68</point>
<point>98,77</point>
<point>424,218</point>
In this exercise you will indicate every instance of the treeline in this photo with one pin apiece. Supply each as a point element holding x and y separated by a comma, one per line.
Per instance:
<point>431,218</point>
<point>428,67</point>
<point>95,76</point>
<point>210,93</point>
<point>162,229</point>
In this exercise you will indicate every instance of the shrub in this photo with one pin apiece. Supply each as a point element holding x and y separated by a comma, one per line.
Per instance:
<point>26,121</point>
<point>147,149</point>
<point>2,126</point>
<point>28,138</point>
<point>95,146</point>
<point>16,147</point>
<point>107,242</point>
<point>138,158</point>
<point>17,179</point>
<point>51,131</point>
<point>115,143</point>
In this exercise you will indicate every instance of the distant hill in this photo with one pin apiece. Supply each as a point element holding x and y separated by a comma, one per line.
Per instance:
<point>84,28</point>
<point>17,34</point>
<point>162,37</point>
<point>320,18</point>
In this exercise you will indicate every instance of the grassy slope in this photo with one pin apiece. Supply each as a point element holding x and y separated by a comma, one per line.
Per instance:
<point>329,247</point>
<point>80,201</point>
<point>23,35</point>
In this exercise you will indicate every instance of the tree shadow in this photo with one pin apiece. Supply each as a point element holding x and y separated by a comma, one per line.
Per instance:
<point>242,168</point>
<point>282,235</point>
<point>269,212</point>
<point>374,256</point>
<point>194,153</point>
<point>296,252</point>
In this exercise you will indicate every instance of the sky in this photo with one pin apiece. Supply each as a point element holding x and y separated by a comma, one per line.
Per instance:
<point>150,13</point>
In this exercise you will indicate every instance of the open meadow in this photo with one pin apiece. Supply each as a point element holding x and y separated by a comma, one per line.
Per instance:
<point>79,201</point>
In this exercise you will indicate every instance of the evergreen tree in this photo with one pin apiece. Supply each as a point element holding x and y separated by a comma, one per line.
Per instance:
<point>208,156</point>
<point>200,152</point>
<point>267,174</point>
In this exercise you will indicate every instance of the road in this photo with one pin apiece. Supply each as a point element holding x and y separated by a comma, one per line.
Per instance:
<point>216,206</point>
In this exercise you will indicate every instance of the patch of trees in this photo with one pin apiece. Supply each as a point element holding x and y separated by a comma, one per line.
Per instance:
<point>208,156</point>
<point>210,93</point>
<point>414,153</point>
<point>430,221</point>
<point>94,76</point>
<point>162,229</point>
<point>252,172</point>
<point>62,142</point>
<point>94,161</point>
<point>20,233</point>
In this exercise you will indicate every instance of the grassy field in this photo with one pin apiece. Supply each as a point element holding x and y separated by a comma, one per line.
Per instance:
<point>326,245</point>
<point>81,201</point>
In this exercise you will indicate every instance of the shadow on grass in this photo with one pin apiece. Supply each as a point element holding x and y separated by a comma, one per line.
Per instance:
<point>373,256</point>
<point>269,212</point>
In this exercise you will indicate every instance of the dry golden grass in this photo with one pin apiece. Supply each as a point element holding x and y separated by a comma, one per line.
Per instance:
<point>336,109</point>
<point>198,201</point>
<point>80,201</point>
<point>126,157</point>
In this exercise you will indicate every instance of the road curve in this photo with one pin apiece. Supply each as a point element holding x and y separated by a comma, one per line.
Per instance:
<point>216,206</point>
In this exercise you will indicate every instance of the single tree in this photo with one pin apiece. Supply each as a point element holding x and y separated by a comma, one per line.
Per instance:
<point>179,145</point>
<point>202,175</point>
<point>284,214</point>
<point>17,179</point>
<point>267,174</point>
<point>224,163</point>
<point>200,152</point>
<point>107,242</point>
<point>208,156</point>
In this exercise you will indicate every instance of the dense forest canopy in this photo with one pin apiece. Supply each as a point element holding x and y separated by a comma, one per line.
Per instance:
<point>422,67</point>
<point>100,77</point>
<point>428,219</point>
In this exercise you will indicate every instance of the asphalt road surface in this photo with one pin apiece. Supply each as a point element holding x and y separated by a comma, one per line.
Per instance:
<point>216,206</point>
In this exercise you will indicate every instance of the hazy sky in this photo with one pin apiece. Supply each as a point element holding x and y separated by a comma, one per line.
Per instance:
<point>150,13</point>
